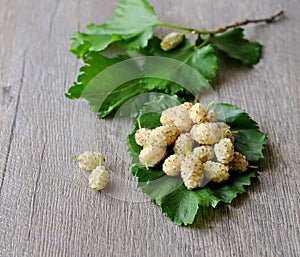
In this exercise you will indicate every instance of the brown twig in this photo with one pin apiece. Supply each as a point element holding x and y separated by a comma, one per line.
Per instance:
<point>245,22</point>
<point>225,28</point>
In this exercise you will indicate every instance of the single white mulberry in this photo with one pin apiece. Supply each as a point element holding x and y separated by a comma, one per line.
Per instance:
<point>164,135</point>
<point>178,116</point>
<point>99,178</point>
<point>198,113</point>
<point>89,160</point>
<point>184,144</point>
<point>152,155</point>
<point>206,133</point>
<point>142,136</point>
<point>211,116</point>
<point>192,171</point>
<point>171,41</point>
<point>224,150</point>
<point>171,165</point>
<point>239,162</point>
<point>216,172</point>
<point>205,152</point>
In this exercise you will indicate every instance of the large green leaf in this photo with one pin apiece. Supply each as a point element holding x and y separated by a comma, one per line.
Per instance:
<point>132,25</point>
<point>237,47</point>
<point>177,202</point>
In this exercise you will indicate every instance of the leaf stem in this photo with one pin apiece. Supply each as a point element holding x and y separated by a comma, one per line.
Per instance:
<point>174,26</point>
<point>225,28</point>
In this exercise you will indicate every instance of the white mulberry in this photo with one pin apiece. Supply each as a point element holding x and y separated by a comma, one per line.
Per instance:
<point>192,171</point>
<point>152,155</point>
<point>171,41</point>
<point>171,165</point>
<point>184,144</point>
<point>164,135</point>
<point>224,150</point>
<point>99,178</point>
<point>198,113</point>
<point>206,133</point>
<point>239,162</point>
<point>205,152</point>
<point>178,116</point>
<point>216,172</point>
<point>211,116</point>
<point>142,136</point>
<point>90,160</point>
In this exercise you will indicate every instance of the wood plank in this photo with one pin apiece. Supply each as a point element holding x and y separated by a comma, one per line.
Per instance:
<point>47,208</point>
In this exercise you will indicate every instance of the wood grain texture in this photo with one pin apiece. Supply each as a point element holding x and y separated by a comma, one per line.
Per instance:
<point>46,207</point>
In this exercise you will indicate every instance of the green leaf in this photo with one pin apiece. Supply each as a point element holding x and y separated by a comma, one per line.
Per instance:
<point>137,42</point>
<point>226,193</point>
<point>177,202</point>
<point>180,206</point>
<point>96,39</point>
<point>205,61</point>
<point>155,183</point>
<point>251,143</point>
<point>132,18</point>
<point>237,47</point>
<point>95,63</point>
<point>132,25</point>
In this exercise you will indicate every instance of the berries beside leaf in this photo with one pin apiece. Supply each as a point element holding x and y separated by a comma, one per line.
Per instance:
<point>202,146</point>
<point>94,161</point>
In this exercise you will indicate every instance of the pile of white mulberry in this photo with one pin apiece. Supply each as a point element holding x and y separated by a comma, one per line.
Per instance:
<point>203,148</point>
<point>94,161</point>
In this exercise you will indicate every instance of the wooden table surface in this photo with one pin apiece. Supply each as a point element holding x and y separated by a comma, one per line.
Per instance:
<point>46,206</point>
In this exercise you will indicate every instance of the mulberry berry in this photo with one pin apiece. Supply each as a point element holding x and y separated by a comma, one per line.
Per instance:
<point>164,135</point>
<point>206,133</point>
<point>99,178</point>
<point>204,152</point>
<point>142,136</point>
<point>224,150</point>
<point>192,171</point>
<point>216,172</point>
<point>198,113</point>
<point>178,116</point>
<point>239,162</point>
<point>152,155</point>
<point>171,165</point>
<point>171,41</point>
<point>184,144</point>
<point>90,160</point>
